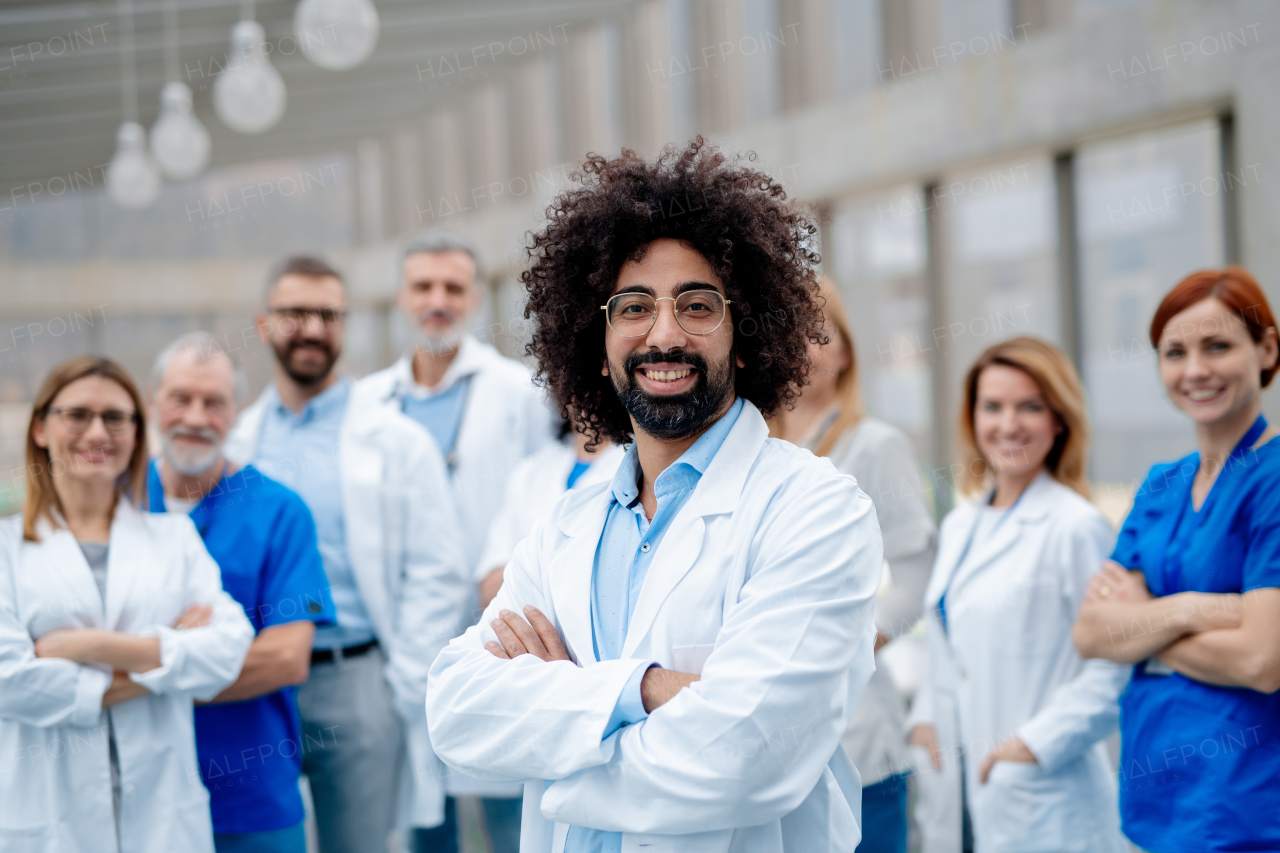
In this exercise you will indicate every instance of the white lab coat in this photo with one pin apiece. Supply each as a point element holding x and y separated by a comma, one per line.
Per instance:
<point>1008,668</point>
<point>55,786</point>
<point>402,540</point>
<point>532,491</point>
<point>879,456</point>
<point>765,585</point>
<point>504,419</point>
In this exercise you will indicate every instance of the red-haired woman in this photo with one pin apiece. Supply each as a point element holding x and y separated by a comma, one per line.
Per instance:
<point>112,620</point>
<point>1193,597</point>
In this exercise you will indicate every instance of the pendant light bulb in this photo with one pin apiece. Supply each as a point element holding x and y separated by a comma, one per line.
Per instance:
<point>178,139</point>
<point>249,95</point>
<point>133,178</point>
<point>336,34</point>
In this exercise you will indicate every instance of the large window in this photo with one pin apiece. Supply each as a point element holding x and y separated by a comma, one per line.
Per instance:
<point>1150,212</point>
<point>997,229</point>
<point>878,251</point>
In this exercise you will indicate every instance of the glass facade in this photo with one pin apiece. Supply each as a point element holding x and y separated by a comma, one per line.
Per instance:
<point>1150,211</point>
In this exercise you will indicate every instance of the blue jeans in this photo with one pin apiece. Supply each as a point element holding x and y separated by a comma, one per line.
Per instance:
<point>291,840</point>
<point>884,816</point>
<point>501,817</point>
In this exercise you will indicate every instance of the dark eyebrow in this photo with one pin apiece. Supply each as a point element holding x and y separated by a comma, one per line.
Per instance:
<point>682,287</point>
<point>686,286</point>
<point>636,288</point>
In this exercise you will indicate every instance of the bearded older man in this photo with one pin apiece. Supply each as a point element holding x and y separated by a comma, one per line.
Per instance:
<point>262,536</point>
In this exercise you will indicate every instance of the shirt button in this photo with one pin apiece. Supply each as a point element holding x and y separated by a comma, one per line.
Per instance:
<point>645,547</point>
<point>128,790</point>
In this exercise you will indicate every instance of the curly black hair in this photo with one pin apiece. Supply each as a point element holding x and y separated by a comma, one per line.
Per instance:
<point>760,245</point>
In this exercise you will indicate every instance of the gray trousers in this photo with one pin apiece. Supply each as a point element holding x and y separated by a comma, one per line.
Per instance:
<point>353,743</point>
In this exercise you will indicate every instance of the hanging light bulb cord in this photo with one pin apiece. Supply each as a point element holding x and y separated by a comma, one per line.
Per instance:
<point>128,63</point>
<point>171,39</point>
<point>246,10</point>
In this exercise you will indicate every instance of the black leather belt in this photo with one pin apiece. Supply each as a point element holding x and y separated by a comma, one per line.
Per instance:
<point>327,655</point>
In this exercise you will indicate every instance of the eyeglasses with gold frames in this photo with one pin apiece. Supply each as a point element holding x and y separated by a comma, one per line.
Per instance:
<point>632,315</point>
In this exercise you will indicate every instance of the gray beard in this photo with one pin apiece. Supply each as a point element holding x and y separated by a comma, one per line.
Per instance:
<point>438,344</point>
<point>188,464</point>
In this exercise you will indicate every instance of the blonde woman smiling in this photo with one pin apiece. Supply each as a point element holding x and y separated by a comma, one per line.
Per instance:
<point>1013,717</point>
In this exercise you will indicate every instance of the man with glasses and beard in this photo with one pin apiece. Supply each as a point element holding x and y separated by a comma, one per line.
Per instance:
<point>248,739</point>
<point>387,532</point>
<point>678,652</point>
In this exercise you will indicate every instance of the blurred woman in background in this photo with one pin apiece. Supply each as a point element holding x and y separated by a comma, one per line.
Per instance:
<point>1012,716</point>
<point>828,419</point>
<point>112,620</point>
<point>1192,601</point>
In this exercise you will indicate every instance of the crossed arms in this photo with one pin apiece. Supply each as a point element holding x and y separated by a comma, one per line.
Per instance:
<point>1226,639</point>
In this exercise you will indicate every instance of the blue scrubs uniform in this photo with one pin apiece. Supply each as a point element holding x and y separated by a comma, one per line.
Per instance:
<point>1200,764</point>
<point>264,541</point>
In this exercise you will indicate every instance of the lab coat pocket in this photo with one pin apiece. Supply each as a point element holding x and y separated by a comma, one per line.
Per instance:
<point>690,659</point>
<point>1022,811</point>
<point>30,839</point>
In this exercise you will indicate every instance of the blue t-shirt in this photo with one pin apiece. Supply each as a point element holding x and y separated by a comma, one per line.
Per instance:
<point>263,539</point>
<point>1200,764</point>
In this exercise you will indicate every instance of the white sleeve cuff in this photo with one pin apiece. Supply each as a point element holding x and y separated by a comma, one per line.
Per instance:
<point>90,688</point>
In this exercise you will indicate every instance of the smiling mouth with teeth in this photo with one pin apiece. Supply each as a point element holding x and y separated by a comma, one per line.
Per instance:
<point>667,375</point>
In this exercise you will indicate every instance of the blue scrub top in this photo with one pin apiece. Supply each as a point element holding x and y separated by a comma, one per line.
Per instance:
<point>1200,764</point>
<point>263,539</point>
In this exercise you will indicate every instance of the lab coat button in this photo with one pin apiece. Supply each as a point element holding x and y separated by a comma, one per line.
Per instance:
<point>128,790</point>
<point>645,547</point>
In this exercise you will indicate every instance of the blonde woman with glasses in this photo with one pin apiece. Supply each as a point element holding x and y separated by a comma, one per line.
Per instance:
<point>112,622</point>
<point>828,419</point>
<point>1013,717</point>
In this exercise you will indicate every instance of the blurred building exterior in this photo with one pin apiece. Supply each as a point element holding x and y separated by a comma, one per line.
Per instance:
<point>980,169</point>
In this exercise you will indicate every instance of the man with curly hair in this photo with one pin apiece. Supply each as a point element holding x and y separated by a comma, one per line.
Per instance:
<point>677,652</point>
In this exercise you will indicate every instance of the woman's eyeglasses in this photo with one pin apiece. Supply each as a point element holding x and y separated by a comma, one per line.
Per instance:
<point>632,315</point>
<point>78,419</point>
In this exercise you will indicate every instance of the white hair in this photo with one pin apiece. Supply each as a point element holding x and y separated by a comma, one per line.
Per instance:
<point>438,241</point>
<point>204,346</point>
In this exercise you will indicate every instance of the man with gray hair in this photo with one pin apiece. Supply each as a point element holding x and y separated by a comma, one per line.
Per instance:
<point>485,414</point>
<point>261,534</point>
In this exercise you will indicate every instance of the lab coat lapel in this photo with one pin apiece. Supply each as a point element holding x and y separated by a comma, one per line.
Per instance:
<point>1035,502</point>
<point>571,576</point>
<point>127,558</point>
<point>951,548</point>
<point>364,505</point>
<point>62,558</point>
<point>717,492</point>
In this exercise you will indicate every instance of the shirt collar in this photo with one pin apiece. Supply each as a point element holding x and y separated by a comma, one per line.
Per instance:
<point>329,402</point>
<point>685,472</point>
<point>468,360</point>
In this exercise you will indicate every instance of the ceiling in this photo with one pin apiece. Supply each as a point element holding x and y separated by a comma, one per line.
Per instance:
<point>59,113</point>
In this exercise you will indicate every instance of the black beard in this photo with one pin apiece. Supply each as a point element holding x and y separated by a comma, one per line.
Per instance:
<point>284,354</point>
<point>679,416</point>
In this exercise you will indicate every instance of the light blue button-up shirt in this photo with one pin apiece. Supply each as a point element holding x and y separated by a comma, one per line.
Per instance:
<point>626,549</point>
<point>301,450</point>
<point>440,414</point>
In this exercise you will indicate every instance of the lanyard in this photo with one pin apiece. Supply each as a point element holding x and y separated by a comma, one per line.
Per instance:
<point>1184,528</point>
<point>964,552</point>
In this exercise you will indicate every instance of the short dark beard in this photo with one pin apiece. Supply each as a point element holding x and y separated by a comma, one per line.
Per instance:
<point>284,354</point>
<point>680,416</point>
